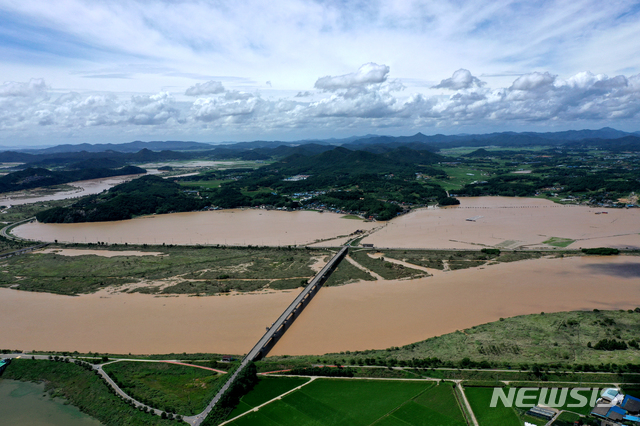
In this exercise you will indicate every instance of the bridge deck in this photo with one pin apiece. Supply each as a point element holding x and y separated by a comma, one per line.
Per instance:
<point>278,327</point>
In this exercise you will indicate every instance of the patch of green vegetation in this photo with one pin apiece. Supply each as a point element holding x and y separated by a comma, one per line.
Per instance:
<point>464,264</point>
<point>266,389</point>
<point>559,242</point>
<point>195,270</point>
<point>206,287</point>
<point>288,284</point>
<point>461,175</point>
<point>82,388</point>
<point>462,259</point>
<point>351,216</point>
<point>427,258</point>
<point>346,273</point>
<point>601,251</point>
<point>388,270</point>
<point>169,387</point>
<point>338,402</point>
<point>207,184</point>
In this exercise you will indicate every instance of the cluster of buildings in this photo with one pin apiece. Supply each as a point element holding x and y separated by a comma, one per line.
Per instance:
<point>614,407</point>
<point>296,178</point>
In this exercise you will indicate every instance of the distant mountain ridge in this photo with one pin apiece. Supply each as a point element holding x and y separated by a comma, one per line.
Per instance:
<point>127,147</point>
<point>141,152</point>
<point>419,140</point>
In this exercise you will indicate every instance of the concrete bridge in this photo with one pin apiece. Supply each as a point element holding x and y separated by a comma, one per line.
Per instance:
<point>273,334</point>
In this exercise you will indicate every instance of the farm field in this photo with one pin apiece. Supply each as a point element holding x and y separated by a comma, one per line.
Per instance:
<point>360,402</point>
<point>480,399</point>
<point>266,389</point>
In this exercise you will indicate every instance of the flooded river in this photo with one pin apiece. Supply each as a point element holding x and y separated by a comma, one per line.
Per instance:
<point>381,314</point>
<point>228,227</point>
<point>358,316</point>
<point>365,315</point>
<point>504,222</point>
<point>510,223</point>
<point>82,188</point>
<point>25,403</point>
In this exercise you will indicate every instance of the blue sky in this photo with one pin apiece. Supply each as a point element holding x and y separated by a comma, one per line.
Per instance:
<point>113,71</point>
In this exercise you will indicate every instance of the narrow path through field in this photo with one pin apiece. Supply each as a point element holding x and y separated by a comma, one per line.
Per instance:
<point>446,267</point>
<point>269,402</point>
<point>466,402</point>
<point>359,266</point>
<point>167,361</point>
<point>429,271</point>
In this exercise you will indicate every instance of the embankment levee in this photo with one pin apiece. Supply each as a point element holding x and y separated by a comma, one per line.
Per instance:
<point>364,315</point>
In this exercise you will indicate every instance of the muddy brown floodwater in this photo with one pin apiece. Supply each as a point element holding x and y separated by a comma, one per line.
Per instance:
<point>84,187</point>
<point>510,223</point>
<point>365,315</point>
<point>225,227</point>
<point>381,314</point>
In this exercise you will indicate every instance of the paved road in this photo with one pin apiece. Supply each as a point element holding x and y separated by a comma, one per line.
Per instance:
<point>5,231</point>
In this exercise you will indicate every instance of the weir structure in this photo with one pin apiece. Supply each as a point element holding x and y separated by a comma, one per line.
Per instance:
<point>273,334</point>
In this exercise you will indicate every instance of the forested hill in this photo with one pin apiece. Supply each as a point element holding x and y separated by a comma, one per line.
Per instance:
<point>146,195</point>
<point>38,177</point>
<point>341,161</point>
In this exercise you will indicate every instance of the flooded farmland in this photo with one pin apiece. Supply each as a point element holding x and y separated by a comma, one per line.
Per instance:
<point>510,223</point>
<point>364,315</point>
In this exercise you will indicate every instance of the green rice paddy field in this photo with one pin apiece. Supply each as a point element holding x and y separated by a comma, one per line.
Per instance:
<point>480,399</point>
<point>349,402</point>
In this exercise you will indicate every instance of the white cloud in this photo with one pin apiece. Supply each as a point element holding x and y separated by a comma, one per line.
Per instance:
<point>534,81</point>
<point>209,88</point>
<point>461,79</point>
<point>35,86</point>
<point>366,75</point>
<point>232,105</point>
<point>361,101</point>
